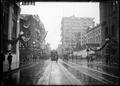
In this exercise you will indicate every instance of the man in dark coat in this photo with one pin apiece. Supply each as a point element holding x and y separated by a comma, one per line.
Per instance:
<point>9,60</point>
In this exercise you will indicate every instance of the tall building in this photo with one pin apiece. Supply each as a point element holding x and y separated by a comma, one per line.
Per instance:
<point>33,40</point>
<point>71,27</point>
<point>10,31</point>
<point>59,49</point>
<point>83,37</point>
<point>109,19</point>
<point>33,29</point>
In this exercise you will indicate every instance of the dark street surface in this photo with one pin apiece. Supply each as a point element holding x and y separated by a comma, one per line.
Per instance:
<point>47,72</point>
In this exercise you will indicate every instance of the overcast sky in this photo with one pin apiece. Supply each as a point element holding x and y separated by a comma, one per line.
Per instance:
<point>51,14</point>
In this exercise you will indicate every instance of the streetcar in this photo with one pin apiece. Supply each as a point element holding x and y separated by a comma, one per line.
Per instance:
<point>54,56</point>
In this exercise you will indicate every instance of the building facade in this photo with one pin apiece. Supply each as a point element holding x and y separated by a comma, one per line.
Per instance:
<point>10,32</point>
<point>33,40</point>
<point>33,29</point>
<point>71,29</point>
<point>93,35</point>
<point>59,50</point>
<point>109,20</point>
<point>84,38</point>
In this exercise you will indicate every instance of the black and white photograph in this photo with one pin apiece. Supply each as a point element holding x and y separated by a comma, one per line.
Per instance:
<point>59,42</point>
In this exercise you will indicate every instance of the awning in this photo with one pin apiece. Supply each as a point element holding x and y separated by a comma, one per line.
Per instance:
<point>93,45</point>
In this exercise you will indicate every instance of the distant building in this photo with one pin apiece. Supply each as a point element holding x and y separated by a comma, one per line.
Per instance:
<point>94,35</point>
<point>47,49</point>
<point>91,36</point>
<point>71,26</point>
<point>84,37</point>
<point>59,49</point>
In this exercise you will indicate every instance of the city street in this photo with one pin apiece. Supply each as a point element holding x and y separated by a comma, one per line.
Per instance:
<point>59,43</point>
<point>62,73</point>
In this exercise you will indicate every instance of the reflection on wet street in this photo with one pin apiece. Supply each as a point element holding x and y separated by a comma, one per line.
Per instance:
<point>91,76</point>
<point>86,80</point>
<point>28,75</point>
<point>49,72</point>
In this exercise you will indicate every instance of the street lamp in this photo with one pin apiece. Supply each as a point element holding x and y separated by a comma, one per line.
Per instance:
<point>33,51</point>
<point>87,50</point>
<point>21,33</point>
<point>33,42</point>
<point>107,39</point>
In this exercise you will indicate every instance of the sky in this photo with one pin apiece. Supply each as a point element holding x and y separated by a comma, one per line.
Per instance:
<point>51,14</point>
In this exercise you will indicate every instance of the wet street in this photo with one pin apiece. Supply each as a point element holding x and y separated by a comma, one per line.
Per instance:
<point>47,72</point>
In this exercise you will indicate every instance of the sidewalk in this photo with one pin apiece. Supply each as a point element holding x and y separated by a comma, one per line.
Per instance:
<point>13,69</point>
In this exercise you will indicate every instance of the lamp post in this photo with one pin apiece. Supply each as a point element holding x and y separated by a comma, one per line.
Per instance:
<point>33,50</point>
<point>87,54</point>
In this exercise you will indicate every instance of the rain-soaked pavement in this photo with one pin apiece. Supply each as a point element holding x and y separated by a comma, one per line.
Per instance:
<point>47,72</point>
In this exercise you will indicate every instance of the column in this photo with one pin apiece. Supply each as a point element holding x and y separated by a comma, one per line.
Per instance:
<point>10,26</point>
<point>17,44</point>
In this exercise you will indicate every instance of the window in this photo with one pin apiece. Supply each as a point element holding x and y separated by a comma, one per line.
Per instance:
<point>96,39</point>
<point>106,32</point>
<point>113,31</point>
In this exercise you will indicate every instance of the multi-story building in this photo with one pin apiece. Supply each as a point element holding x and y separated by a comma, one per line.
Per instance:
<point>59,49</point>
<point>47,49</point>
<point>93,35</point>
<point>33,29</point>
<point>10,31</point>
<point>83,37</point>
<point>34,34</point>
<point>71,26</point>
<point>109,20</point>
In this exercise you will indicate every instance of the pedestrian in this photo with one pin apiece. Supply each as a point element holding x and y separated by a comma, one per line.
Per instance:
<point>2,59</point>
<point>56,58</point>
<point>9,60</point>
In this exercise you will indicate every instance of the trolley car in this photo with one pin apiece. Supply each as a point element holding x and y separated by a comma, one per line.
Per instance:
<point>54,56</point>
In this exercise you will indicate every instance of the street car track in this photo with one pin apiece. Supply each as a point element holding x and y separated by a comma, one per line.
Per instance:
<point>50,77</point>
<point>101,79</point>
<point>67,74</point>
<point>97,71</point>
<point>103,65</point>
<point>71,79</point>
<point>44,80</point>
<point>48,83</point>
